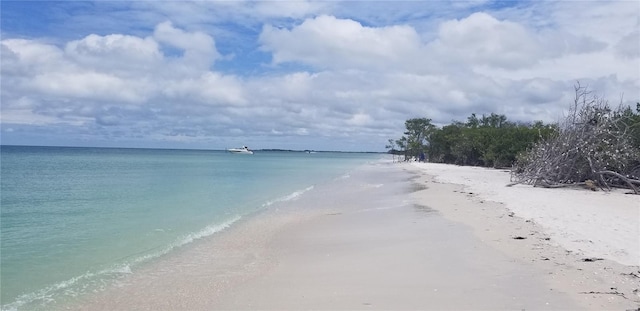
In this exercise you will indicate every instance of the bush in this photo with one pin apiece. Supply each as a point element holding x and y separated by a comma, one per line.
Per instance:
<point>594,143</point>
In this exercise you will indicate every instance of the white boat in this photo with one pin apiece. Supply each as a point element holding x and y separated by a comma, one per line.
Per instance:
<point>244,150</point>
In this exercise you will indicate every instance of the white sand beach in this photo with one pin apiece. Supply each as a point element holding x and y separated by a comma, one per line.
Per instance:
<point>395,236</point>
<point>587,242</point>
<point>593,223</point>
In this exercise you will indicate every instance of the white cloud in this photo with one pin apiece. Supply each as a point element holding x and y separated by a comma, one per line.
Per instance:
<point>329,42</point>
<point>97,72</point>
<point>604,21</point>
<point>209,89</point>
<point>21,56</point>
<point>360,119</point>
<point>115,52</point>
<point>88,85</point>
<point>481,39</point>
<point>333,79</point>
<point>199,50</point>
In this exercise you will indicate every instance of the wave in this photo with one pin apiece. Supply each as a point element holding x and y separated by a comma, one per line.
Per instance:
<point>289,197</point>
<point>207,231</point>
<point>70,288</point>
<point>98,280</point>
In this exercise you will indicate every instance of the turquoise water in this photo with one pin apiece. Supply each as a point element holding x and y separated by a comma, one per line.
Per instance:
<point>74,219</point>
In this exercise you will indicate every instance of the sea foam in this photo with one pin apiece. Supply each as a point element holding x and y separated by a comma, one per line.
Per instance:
<point>99,280</point>
<point>289,197</point>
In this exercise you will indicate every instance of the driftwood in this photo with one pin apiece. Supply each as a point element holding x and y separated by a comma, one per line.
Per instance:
<point>592,148</point>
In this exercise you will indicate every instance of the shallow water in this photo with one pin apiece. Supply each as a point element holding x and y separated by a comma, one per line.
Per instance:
<point>75,219</point>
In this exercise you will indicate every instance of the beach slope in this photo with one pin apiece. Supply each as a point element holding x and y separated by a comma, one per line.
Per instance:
<point>385,236</point>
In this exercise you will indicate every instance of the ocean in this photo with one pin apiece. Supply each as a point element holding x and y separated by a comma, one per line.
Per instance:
<point>74,220</point>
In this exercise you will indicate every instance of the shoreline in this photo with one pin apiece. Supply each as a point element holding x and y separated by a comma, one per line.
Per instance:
<point>593,223</point>
<point>594,282</point>
<point>388,237</point>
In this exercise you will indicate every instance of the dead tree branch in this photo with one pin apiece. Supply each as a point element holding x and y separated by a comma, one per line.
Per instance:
<point>593,143</point>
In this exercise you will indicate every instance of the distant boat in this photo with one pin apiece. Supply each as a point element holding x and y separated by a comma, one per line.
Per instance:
<point>243,150</point>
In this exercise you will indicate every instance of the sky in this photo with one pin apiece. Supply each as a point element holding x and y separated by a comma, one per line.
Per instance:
<point>320,75</point>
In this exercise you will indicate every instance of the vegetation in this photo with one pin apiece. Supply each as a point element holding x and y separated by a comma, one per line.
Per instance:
<point>486,141</point>
<point>595,145</point>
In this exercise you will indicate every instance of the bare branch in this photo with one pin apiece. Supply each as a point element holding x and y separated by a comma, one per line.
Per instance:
<point>593,143</point>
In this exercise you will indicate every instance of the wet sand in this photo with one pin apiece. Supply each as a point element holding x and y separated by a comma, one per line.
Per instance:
<point>388,236</point>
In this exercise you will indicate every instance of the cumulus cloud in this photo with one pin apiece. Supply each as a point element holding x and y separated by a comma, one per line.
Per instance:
<point>87,85</point>
<point>198,49</point>
<point>21,56</point>
<point>91,74</point>
<point>329,42</point>
<point>209,89</point>
<point>481,39</point>
<point>115,52</point>
<point>309,77</point>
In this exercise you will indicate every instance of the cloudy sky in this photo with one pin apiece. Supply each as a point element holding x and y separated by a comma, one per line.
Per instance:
<point>324,75</point>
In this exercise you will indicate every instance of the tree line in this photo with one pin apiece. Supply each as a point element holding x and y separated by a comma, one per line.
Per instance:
<point>489,140</point>
<point>595,144</point>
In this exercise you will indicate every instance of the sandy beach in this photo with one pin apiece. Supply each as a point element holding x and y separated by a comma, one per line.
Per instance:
<point>416,236</point>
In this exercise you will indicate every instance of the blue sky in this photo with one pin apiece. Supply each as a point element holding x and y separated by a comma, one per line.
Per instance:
<point>326,75</point>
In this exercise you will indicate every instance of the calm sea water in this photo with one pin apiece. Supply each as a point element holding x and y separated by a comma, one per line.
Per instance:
<point>75,219</point>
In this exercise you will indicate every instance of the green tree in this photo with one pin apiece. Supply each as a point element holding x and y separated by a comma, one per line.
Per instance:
<point>489,140</point>
<point>402,145</point>
<point>418,132</point>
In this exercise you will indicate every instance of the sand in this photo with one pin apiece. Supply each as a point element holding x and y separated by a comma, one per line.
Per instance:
<point>585,242</point>
<point>596,224</point>
<point>391,236</point>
